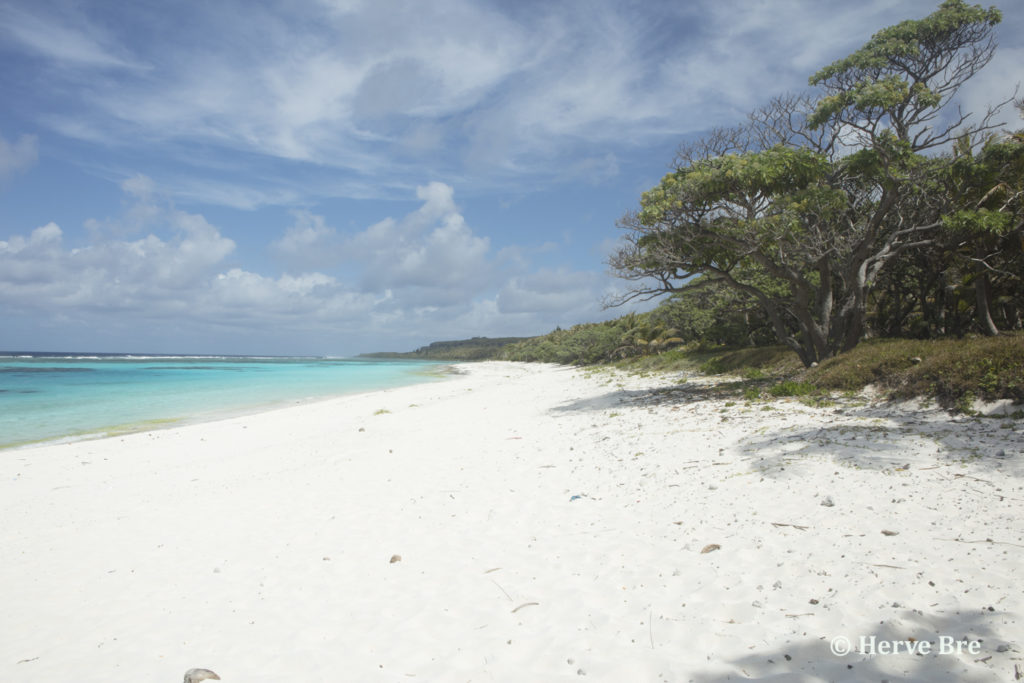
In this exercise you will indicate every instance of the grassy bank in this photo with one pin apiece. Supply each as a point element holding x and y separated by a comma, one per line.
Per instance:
<point>954,372</point>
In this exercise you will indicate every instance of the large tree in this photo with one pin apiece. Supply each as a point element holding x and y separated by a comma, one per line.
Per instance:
<point>802,207</point>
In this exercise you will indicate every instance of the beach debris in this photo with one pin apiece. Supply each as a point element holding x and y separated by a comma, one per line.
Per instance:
<point>887,532</point>
<point>710,548</point>
<point>395,558</point>
<point>525,604</point>
<point>197,675</point>
<point>827,502</point>
<point>502,590</point>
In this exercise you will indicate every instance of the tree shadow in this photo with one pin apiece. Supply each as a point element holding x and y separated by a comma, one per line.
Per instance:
<point>675,395</point>
<point>813,659</point>
<point>853,433</point>
<point>877,436</point>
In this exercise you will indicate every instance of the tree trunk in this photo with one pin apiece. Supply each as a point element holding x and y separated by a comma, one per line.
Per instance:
<point>983,295</point>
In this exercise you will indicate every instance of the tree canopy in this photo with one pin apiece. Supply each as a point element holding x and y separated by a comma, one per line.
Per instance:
<point>803,208</point>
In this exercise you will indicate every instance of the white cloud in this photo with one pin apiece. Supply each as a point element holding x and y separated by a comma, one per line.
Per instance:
<point>429,256</point>
<point>309,243</point>
<point>17,156</point>
<point>560,292</point>
<point>76,43</point>
<point>382,93</point>
<point>422,276</point>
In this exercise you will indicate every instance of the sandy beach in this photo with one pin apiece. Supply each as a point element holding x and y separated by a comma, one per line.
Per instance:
<point>523,523</point>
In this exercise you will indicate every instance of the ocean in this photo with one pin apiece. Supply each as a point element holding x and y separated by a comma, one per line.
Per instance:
<point>61,396</point>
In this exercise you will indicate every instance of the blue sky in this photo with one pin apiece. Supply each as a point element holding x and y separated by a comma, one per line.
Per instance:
<point>337,176</point>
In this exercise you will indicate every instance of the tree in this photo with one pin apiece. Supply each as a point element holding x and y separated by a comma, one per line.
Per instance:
<point>803,206</point>
<point>986,223</point>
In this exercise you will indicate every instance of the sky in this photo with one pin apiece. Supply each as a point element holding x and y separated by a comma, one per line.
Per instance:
<point>331,177</point>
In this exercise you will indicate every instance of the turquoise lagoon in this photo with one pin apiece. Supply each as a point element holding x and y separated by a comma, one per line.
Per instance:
<point>50,396</point>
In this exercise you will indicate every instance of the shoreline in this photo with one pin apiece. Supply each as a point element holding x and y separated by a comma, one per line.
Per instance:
<point>432,371</point>
<point>551,523</point>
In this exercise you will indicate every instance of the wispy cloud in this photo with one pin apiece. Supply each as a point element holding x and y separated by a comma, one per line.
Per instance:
<point>385,94</point>
<point>17,156</point>
<point>65,37</point>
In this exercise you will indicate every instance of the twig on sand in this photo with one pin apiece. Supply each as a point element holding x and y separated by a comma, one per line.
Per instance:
<point>967,476</point>
<point>525,604</point>
<point>795,526</point>
<point>805,614</point>
<point>981,540</point>
<point>650,625</point>
<point>888,566</point>
<point>503,591</point>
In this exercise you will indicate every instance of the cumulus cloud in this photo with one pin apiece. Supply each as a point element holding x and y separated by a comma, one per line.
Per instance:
<point>17,156</point>
<point>309,243</point>
<point>429,257</point>
<point>413,278</point>
<point>432,253</point>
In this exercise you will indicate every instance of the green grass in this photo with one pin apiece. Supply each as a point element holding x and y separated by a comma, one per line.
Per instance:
<point>953,372</point>
<point>762,362</point>
<point>790,388</point>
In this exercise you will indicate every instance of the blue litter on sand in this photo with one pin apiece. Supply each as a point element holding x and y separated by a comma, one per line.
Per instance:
<point>574,498</point>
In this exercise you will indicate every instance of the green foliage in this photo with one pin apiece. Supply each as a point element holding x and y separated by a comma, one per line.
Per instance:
<point>978,221</point>
<point>889,72</point>
<point>631,335</point>
<point>792,388</point>
<point>807,209</point>
<point>477,348</point>
<point>714,315</point>
<point>989,368</point>
<point>751,363</point>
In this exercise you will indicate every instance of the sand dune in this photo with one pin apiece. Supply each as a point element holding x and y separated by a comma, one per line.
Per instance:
<point>522,523</point>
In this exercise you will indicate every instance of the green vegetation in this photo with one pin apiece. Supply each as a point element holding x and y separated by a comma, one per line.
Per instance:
<point>834,214</point>
<point>952,371</point>
<point>477,348</point>
<point>792,388</point>
<point>949,370</point>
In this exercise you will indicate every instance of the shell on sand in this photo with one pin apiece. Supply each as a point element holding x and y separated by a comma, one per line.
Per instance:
<point>197,675</point>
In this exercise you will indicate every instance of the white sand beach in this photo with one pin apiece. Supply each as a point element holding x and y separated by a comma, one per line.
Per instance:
<point>522,523</point>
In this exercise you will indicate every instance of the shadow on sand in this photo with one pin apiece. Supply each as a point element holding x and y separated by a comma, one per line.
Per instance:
<point>853,432</point>
<point>812,659</point>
